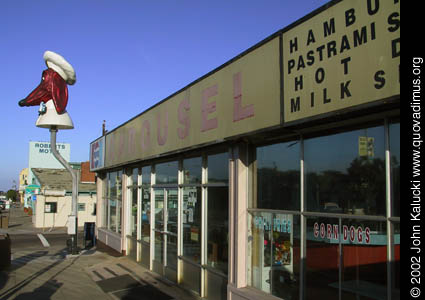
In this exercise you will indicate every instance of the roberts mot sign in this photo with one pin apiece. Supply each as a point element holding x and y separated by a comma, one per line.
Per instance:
<point>344,56</point>
<point>40,155</point>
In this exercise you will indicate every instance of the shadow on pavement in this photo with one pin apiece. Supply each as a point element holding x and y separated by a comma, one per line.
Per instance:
<point>43,292</point>
<point>142,292</point>
<point>18,263</point>
<point>14,225</point>
<point>125,287</point>
<point>45,288</point>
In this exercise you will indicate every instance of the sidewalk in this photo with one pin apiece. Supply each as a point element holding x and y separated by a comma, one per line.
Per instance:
<point>97,273</point>
<point>91,275</point>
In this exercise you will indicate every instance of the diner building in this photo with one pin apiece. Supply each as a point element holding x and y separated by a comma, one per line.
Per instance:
<point>274,176</point>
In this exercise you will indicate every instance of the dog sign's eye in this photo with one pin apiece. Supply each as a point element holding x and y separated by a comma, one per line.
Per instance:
<point>42,78</point>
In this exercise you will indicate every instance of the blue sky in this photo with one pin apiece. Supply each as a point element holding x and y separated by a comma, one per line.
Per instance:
<point>128,55</point>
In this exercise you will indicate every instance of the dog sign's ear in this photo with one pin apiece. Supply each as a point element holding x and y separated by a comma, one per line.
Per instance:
<point>59,93</point>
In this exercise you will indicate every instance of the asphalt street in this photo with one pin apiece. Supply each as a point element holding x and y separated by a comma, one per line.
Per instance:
<point>32,241</point>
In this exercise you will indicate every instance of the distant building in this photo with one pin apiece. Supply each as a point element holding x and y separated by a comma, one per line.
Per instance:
<point>40,156</point>
<point>86,175</point>
<point>23,181</point>
<point>52,204</point>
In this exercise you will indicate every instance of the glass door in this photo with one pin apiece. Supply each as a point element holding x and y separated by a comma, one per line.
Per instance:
<point>165,232</point>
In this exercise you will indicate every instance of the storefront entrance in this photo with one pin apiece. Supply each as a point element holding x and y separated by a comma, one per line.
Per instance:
<point>165,232</point>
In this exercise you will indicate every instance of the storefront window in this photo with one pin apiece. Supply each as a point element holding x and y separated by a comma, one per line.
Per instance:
<point>278,176</point>
<point>345,173</point>
<point>119,201</point>
<point>112,185</point>
<point>114,201</point>
<point>192,213</point>
<point>146,175</point>
<point>218,223</point>
<point>346,254</point>
<point>146,205</point>
<point>192,170</point>
<point>146,215</point>
<point>395,267</point>
<point>218,168</point>
<point>133,189</point>
<point>218,212</point>
<point>323,258</point>
<point>171,227</point>
<point>395,167</point>
<point>274,240</point>
<point>364,260</point>
<point>166,173</point>
<point>112,222</point>
<point>159,225</point>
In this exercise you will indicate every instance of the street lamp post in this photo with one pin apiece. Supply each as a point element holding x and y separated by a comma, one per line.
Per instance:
<point>52,96</point>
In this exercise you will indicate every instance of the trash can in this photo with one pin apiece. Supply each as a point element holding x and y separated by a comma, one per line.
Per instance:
<point>5,251</point>
<point>4,221</point>
<point>89,235</point>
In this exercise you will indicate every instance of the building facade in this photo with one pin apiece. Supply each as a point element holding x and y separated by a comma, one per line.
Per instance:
<point>53,202</point>
<point>23,182</point>
<point>40,156</point>
<point>275,175</point>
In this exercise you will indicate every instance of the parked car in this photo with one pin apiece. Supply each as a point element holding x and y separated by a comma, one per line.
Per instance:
<point>2,204</point>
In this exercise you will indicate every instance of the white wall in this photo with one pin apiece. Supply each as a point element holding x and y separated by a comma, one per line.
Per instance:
<point>60,218</point>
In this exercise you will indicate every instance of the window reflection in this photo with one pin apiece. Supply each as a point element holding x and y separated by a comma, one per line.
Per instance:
<point>166,172</point>
<point>346,172</point>
<point>322,259</point>
<point>364,259</point>
<point>278,176</point>
<point>134,176</point>
<point>172,204</point>
<point>146,175</point>
<point>112,222</point>
<point>133,221</point>
<point>218,222</point>
<point>171,224</point>
<point>159,225</point>
<point>192,209</point>
<point>395,266</point>
<point>192,170</point>
<point>146,215</point>
<point>114,201</point>
<point>356,248</point>
<point>395,167</point>
<point>146,205</point>
<point>218,168</point>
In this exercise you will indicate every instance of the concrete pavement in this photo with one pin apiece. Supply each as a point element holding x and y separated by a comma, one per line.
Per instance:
<point>50,273</point>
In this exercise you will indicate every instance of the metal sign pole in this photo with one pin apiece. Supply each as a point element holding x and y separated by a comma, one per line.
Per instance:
<point>73,218</point>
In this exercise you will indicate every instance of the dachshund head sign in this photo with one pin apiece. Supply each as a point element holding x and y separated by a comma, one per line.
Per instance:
<point>52,93</point>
